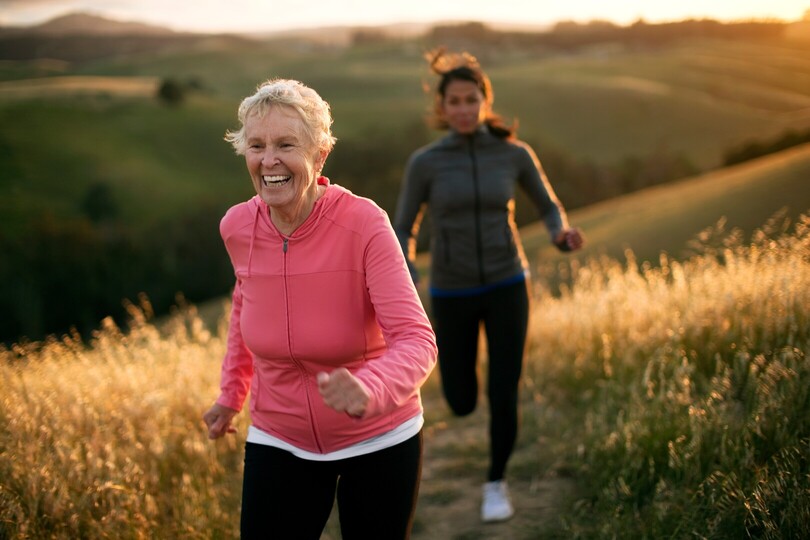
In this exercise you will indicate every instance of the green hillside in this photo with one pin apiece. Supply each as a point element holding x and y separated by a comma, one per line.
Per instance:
<point>108,193</point>
<point>692,101</point>
<point>696,97</point>
<point>156,160</point>
<point>670,218</point>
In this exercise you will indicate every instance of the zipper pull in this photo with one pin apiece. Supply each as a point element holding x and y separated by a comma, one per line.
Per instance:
<point>284,248</point>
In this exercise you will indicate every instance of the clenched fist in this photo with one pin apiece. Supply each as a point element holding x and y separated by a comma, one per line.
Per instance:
<point>343,392</point>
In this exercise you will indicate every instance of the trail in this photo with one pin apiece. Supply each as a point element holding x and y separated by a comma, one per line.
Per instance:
<point>455,462</point>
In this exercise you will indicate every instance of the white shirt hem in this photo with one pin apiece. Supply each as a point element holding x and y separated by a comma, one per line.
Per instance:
<point>399,434</point>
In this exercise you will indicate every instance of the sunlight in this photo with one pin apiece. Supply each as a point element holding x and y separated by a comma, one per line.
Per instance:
<point>261,16</point>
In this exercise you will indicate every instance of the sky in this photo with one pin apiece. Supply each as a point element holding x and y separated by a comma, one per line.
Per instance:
<point>276,15</point>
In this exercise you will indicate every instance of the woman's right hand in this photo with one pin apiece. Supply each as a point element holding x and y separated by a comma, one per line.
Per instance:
<point>570,239</point>
<point>218,419</point>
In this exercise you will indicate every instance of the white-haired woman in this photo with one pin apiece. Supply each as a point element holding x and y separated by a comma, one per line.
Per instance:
<point>327,334</point>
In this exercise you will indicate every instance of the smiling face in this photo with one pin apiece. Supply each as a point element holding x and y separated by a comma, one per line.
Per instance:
<point>463,106</point>
<point>282,162</point>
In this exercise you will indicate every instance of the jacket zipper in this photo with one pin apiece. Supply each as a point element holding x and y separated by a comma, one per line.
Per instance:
<point>479,243</point>
<point>292,356</point>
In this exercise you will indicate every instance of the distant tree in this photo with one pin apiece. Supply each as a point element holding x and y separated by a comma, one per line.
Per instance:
<point>98,203</point>
<point>368,37</point>
<point>171,92</point>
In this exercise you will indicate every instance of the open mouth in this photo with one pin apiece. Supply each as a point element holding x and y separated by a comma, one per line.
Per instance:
<point>275,180</point>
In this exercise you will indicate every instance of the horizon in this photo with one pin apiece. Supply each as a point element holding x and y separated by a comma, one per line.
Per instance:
<point>215,16</point>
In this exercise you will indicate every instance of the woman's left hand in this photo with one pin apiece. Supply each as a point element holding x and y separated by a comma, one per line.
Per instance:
<point>343,392</point>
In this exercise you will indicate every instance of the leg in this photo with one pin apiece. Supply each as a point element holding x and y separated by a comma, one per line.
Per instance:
<point>506,324</point>
<point>457,326</point>
<point>284,496</point>
<point>377,492</point>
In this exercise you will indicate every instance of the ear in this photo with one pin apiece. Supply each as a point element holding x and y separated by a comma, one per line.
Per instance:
<point>321,159</point>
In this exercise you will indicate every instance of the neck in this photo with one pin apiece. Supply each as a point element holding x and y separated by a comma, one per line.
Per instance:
<point>288,221</point>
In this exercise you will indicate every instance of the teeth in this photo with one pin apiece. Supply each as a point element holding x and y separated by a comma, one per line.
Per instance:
<point>275,179</point>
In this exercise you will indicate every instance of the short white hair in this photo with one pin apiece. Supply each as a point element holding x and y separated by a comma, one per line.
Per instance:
<point>312,108</point>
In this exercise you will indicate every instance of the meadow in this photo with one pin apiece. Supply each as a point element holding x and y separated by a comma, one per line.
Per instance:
<point>660,402</point>
<point>106,191</point>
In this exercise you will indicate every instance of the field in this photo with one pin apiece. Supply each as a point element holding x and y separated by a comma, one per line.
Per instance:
<point>694,100</point>
<point>667,385</point>
<point>107,192</point>
<point>659,403</point>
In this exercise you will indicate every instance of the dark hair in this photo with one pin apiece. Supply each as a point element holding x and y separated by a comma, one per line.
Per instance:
<point>463,67</point>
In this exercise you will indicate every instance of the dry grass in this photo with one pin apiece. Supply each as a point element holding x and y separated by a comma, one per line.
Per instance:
<point>105,440</point>
<point>658,402</point>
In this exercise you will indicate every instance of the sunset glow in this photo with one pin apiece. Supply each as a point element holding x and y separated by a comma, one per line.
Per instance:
<point>263,15</point>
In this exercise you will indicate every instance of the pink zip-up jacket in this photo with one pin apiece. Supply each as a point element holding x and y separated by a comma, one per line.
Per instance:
<point>336,293</point>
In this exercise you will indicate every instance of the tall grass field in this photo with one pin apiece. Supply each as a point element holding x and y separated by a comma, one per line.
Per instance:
<point>676,398</point>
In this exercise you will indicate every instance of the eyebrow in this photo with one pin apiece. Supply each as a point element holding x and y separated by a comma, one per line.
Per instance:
<point>287,137</point>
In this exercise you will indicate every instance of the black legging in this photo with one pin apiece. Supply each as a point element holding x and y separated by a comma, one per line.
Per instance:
<point>287,497</point>
<point>504,312</point>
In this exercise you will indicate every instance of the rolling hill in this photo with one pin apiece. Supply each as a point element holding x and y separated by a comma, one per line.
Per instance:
<point>81,23</point>
<point>131,187</point>
<point>672,217</point>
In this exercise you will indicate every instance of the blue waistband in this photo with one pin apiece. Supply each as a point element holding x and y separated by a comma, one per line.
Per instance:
<point>472,291</point>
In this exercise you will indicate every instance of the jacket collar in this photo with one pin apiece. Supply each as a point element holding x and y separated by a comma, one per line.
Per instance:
<point>481,136</point>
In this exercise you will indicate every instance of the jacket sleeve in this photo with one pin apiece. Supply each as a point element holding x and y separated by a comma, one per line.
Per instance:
<point>237,366</point>
<point>411,344</point>
<point>533,180</point>
<point>409,212</point>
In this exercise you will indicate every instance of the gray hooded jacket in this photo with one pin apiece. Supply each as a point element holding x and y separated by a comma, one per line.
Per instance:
<point>468,185</point>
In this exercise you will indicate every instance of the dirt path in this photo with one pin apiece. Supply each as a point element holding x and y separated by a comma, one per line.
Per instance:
<point>456,458</point>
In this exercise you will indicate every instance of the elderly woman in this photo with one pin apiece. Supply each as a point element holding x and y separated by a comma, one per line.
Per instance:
<point>327,334</point>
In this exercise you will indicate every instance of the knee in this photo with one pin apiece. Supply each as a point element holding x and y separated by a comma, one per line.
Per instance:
<point>461,407</point>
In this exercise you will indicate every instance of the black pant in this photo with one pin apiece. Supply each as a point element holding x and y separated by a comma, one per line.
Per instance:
<point>504,312</point>
<point>287,497</point>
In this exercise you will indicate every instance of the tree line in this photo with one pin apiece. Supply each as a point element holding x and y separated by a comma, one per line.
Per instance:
<point>754,149</point>
<point>567,35</point>
<point>67,274</point>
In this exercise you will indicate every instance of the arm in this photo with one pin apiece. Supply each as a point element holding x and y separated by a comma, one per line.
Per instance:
<point>534,182</point>
<point>408,217</point>
<point>235,376</point>
<point>411,344</point>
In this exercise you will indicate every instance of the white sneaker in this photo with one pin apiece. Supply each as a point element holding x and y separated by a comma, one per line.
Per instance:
<point>496,505</point>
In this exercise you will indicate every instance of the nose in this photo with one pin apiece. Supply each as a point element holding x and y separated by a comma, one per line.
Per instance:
<point>270,158</point>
